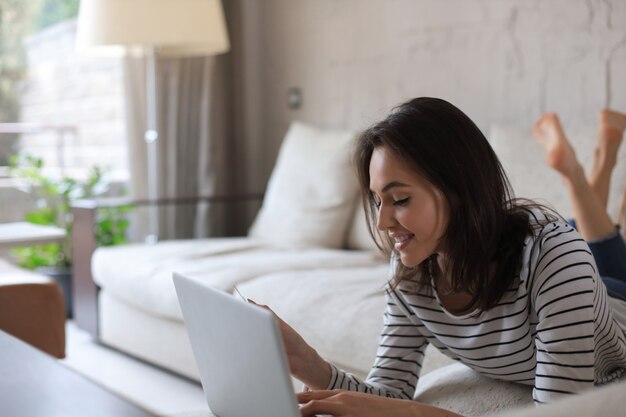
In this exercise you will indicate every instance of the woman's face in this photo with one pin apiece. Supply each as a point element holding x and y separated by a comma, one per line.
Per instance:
<point>410,209</point>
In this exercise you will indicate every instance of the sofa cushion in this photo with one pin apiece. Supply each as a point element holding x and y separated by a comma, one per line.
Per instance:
<point>358,236</point>
<point>338,311</point>
<point>141,274</point>
<point>524,162</point>
<point>311,191</point>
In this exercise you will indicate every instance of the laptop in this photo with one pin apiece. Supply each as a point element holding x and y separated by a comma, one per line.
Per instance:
<point>239,352</point>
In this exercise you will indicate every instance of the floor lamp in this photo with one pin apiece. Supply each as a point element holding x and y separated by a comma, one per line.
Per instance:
<point>168,28</point>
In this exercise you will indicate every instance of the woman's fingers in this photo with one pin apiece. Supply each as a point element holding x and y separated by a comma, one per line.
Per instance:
<point>251,301</point>
<point>306,396</point>
<point>341,403</point>
<point>324,406</point>
<point>315,408</point>
<point>322,402</point>
<point>267,308</point>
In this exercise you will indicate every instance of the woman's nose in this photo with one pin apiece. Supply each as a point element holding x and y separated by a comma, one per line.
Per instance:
<point>385,218</point>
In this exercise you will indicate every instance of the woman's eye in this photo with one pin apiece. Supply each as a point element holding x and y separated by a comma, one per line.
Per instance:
<point>401,202</point>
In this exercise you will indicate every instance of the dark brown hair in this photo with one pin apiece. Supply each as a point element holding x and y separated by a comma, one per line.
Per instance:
<point>621,220</point>
<point>486,225</point>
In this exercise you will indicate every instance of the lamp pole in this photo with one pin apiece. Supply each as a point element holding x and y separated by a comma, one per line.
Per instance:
<point>151,137</point>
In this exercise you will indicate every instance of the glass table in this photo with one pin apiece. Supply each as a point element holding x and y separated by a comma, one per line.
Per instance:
<point>26,234</point>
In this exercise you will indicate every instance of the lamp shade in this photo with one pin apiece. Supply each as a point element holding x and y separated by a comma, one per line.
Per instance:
<point>172,27</point>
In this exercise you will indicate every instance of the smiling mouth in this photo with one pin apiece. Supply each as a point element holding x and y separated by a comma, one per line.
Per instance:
<point>402,241</point>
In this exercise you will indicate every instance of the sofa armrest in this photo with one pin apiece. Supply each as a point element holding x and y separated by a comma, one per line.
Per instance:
<point>109,202</point>
<point>84,212</point>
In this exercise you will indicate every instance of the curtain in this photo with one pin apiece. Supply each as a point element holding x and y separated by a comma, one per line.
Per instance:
<point>194,147</point>
<point>208,133</point>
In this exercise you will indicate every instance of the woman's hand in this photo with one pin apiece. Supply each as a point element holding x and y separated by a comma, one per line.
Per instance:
<point>353,404</point>
<point>304,362</point>
<point>357,404</point>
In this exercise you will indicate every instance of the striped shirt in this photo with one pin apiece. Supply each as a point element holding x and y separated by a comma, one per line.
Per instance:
<point>553,329</point>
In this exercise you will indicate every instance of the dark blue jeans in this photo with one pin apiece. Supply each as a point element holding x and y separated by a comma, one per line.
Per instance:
<point>610,255</point>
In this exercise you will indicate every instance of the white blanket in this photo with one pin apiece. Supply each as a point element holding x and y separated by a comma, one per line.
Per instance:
<point>464,392</point>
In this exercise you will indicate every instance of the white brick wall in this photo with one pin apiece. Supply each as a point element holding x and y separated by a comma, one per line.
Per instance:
<point>501,61</point>
<point>85,92</point>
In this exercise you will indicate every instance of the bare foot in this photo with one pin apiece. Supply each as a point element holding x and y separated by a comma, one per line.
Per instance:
<point>611,132</point>
<point>559,153</point>
<point>612,125</point>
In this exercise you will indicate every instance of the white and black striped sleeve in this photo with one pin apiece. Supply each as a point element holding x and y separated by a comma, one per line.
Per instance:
<point>398,360</point>
<point>563,292</point>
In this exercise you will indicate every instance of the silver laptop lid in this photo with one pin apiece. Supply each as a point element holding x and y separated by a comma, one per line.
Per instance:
<point>239,353</point>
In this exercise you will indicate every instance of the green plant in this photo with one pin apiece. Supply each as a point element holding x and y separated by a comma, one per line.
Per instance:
<point>54,11</point>
<point>54,198</point>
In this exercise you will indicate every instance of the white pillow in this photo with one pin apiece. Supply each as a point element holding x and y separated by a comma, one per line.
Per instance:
<point>311,191</point>
<point>523,160</point>
<point>358,235</point>
<point>605,400</point>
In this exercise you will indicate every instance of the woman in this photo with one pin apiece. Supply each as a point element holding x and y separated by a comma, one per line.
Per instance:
<point>501,285</point>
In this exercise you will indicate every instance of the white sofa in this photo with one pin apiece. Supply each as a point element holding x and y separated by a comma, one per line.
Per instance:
<point>309,256</point>
<point>307,252</point>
